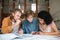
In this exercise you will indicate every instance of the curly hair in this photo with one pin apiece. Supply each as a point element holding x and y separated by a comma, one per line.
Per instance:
<point>46,16</point>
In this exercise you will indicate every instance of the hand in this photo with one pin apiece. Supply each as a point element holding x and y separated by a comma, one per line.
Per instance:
<point>20,31</point>
<point>41,33</point>
<point>33,32</point>
<point>37,32</point>
<point>18,21</point>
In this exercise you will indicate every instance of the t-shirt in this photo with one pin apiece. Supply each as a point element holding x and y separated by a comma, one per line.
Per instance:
<point>28,27</point>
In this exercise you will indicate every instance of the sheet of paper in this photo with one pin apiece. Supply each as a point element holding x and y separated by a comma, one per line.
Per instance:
<point>41,37</point>
<point>7,36</point>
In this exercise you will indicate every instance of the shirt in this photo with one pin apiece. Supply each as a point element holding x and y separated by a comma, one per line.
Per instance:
<point>16,28</point>
<point>28,27</point>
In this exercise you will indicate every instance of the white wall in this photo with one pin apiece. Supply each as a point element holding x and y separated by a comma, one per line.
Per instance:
<point>42,5</point>
<point>54,6</point>
<point>55,10</point>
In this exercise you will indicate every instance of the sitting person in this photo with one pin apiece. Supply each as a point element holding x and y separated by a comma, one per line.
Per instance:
<point>47,25</point>
<point>30,25</point>
<point>12,23</point>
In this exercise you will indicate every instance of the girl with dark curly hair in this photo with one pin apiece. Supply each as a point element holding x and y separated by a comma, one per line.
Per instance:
<point>46,23</point>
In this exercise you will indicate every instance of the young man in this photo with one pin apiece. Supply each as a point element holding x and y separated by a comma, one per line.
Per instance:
<point>11,24</point>
<point>30,25</point>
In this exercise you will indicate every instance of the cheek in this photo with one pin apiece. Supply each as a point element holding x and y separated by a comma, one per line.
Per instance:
<point>20,15</point>
<point>31,19</point>
<point>41,21</point>
<point>16,17</point>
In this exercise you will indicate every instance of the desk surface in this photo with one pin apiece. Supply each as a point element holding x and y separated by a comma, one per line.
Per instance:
<point>27,37</point>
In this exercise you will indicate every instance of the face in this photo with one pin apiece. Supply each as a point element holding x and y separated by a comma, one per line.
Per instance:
<point>17,15</point>
<point>41,21</point>
<point>30,18</point>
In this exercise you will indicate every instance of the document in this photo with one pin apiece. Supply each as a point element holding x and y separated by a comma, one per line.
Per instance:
<point>7,36</point>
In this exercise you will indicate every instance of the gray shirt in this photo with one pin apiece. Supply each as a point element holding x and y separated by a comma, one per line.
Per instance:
<point>15,29</point>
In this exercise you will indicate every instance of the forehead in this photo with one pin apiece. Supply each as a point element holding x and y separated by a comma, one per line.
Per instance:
<point>17,12</point>
<point>30,16</point>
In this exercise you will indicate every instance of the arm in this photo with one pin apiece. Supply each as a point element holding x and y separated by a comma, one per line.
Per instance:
<point>55,30</point>
<point>5,27</point>
<point>41,27</point>
<point>36,25</point>
<point>36,30</point>
<point>23,27</point>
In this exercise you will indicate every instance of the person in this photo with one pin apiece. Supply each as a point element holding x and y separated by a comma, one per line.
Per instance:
<point>46,23</point>
<point>30,25</point>
<point>11,24</point>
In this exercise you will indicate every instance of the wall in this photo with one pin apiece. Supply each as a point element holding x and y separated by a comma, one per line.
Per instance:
<point>0,14</point>
<point>42,5</point>
<point>55,10</point>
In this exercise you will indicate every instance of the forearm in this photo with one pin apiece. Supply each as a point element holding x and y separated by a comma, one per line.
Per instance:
<point>15,24</point>
<point>49,33</point>
<point>52,33</point>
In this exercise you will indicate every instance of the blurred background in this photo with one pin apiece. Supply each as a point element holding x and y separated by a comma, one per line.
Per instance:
<point>53,6</point>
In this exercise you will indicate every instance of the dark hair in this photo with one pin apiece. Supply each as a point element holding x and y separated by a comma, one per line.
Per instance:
<point>29,12</point>
<point>46,16</point>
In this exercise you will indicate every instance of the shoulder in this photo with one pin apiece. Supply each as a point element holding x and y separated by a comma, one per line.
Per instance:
<point>6,19</point>
<point>53,24</point>
<point>35,19</point>
<point>24,21</point>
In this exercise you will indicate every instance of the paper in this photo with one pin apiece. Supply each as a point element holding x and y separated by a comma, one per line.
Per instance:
<point>7,36</point>
<point>27,37</point>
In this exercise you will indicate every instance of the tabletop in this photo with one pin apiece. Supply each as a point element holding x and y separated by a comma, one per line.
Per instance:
<point>12,36</point>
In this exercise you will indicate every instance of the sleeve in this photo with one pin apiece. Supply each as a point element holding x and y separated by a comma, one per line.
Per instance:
<point>23,27</point>
<point>37,25</point>
<point>5,27</point>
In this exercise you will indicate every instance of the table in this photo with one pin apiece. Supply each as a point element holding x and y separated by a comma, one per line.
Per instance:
<point>12,36</point>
